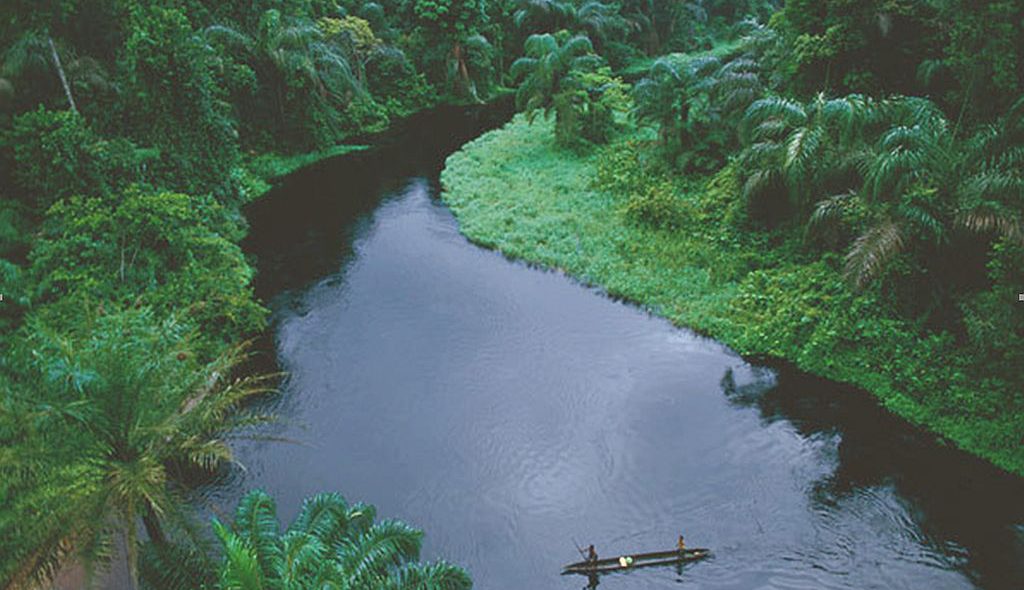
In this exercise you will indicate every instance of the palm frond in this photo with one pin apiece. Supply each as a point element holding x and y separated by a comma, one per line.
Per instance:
<point>764,155</point>
<point>923,219</point>
<point>703,66</point>
<point>929,69</point>
<point>522,67</point>
<point>229,36</point>
<point>829,211</point>
<point>360,518</point>
<point>989,218</point>
<point>577,45</point>
<point>791,112</point>
<point>850,114</point>
<point>992,185</point>
<point>434,576</point>
<point>759,184</point>
<point>367,559</point>
<point>304,558</point>
<point>803,148</point>
<point>256,524</point>
<point>241,569</point>
<point>29,53</point>
<point>176,566</point>
<point>540,45</point>
<point>324,516</point>
<point>873,250</point>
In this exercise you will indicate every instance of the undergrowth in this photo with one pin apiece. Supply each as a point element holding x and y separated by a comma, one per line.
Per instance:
<point>682,248</point>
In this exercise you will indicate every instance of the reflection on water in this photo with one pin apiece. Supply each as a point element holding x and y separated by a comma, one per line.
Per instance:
<point>951,504</point>
<point>512,413</point>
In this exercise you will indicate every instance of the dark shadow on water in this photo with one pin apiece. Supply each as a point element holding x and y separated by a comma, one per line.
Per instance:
<point>304,228</point>
<point>961,504</point>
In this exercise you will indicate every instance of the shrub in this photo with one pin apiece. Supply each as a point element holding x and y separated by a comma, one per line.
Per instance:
<point>585,108</point>
<point>656,204</point>
<point>396,84</point>
<point>157,249</point>
<point>173,101</point>
<point>56,155</point>
<point>14,228</point>
<point>15,296</point>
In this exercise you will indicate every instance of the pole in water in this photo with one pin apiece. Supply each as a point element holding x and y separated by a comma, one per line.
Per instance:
<point>578,548</point>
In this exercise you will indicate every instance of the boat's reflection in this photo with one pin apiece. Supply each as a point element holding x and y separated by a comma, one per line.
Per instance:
<point>593,580</point>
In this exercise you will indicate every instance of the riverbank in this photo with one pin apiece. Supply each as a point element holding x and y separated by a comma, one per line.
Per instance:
<point>514,191</point>
<point>265,169</point>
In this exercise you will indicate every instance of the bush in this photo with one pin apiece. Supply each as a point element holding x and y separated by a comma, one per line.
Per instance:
<point>585,108</point>
<point>650,195</point>
<point>173,101</point>
<point>15,296</point>
<point>56,155</point>
<point>328,127</point>
<point>992,318</point>
<point>157,249</point>
<point>656,204</point>
<point>14,229</point>
<point>396,84</point>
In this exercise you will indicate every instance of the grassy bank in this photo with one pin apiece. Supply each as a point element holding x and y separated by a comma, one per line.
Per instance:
<point>514,191</point>
<point>263,169</point>
<point>268,167</point>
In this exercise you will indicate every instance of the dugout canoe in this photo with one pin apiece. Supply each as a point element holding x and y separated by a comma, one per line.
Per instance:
<point>611,564</point>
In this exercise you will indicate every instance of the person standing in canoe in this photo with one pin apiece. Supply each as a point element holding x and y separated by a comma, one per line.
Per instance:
<point>682,545</point>
<point>591,554</point>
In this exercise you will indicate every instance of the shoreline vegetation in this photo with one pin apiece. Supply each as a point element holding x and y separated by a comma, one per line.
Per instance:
<point>133,134</point>
<point>516,191</point>
<point>268,167</point>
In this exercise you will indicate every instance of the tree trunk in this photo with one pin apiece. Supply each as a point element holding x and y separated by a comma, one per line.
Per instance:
<point>153,529</point>
<point>468,86</point>
<point>60,72</point>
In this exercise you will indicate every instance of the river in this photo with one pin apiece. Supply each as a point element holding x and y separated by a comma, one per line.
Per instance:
<point>511,412</point>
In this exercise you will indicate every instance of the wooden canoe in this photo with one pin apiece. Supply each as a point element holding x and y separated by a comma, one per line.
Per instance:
<point>611,564</point>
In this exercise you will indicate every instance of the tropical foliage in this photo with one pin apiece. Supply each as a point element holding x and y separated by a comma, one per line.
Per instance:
<point>831,157</point>
<point>832,182</point>
<point>330,544</point>
<point>103,430</point>
<point>561,75</point>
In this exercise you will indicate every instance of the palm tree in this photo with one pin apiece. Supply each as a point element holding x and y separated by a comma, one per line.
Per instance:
<point>802,152</point>
<point>990,197</point>
<point>903,188</point>
<point>122,413</point>
<point>892,171</point>
<point>666,95</point>
<point>599,21</point>
<point>543,16</point>
<point>35,50</point>
<point>331,544</point>
<point>545,71</point>
<point>36,54</point>
<point>658,21</point>
<point>283,50</point>
<point>469,62</point>
<point>931,184</point>
<point>663,96</point>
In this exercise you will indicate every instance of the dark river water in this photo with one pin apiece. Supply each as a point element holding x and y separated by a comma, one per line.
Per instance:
<point>511,412</point>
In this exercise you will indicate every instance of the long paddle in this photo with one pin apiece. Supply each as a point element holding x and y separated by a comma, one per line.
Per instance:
<point>578,548</point>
